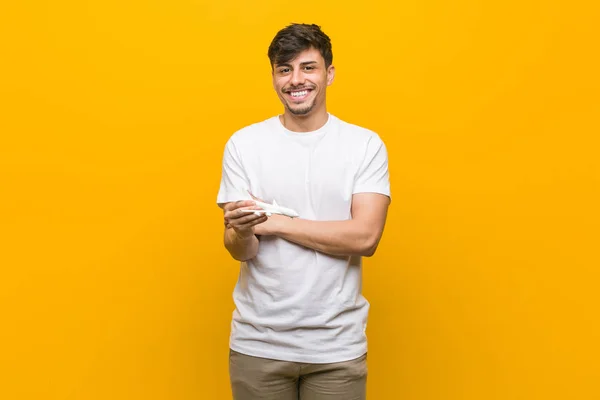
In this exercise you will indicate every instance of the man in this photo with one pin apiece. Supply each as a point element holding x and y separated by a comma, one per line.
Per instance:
<point>298,329</point>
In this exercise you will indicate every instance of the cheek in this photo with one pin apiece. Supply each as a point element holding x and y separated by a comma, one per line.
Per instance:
<point>279,84</point>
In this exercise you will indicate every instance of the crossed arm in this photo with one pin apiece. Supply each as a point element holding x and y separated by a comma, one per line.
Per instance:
<point>357,236</point>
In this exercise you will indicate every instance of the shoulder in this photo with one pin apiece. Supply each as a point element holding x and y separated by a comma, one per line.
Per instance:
<point>252,132</point>
<point>249,139</point>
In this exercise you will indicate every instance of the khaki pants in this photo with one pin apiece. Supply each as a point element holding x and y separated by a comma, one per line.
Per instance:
<point>254,378</point>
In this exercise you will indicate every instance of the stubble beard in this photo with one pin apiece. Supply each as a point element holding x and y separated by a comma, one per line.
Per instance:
<point>301,111</point>
<point>304,109</point>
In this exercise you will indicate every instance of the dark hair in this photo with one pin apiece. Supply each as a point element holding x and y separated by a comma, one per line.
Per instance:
<point>294,39</point>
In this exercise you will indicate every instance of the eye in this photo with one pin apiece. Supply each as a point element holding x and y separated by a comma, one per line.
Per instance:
<point>284,70</point>
<point>309,68</point>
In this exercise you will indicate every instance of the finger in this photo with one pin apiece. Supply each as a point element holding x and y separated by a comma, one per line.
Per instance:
<point>230,206</point>
<point>234,205</point>
<point>235,214</point>
<point>249,223</point>
<point>245,203</point>
<point>240,213</point>
<point>244,219</point>
<point>261,220</point>
<point>257,221</point>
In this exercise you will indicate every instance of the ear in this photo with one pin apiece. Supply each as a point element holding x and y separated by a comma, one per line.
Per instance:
<point>330,75</point>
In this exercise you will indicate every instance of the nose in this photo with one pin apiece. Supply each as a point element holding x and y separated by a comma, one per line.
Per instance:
<point>297,77</point>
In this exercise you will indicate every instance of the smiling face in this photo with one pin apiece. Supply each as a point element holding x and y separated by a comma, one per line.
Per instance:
<point>302,82</point>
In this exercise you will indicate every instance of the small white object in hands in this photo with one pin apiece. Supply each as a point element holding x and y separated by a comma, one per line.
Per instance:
<point>270,209</point>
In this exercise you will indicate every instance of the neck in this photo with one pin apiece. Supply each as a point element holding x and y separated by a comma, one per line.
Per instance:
<point>304,123</point>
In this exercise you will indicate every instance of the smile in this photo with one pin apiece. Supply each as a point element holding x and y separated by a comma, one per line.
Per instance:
<point>299,94</point>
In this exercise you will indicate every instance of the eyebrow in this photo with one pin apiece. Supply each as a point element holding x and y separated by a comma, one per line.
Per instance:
<point>301,64</point>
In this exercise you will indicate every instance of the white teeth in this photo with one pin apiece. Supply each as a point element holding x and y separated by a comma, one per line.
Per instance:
<point>299,94</point>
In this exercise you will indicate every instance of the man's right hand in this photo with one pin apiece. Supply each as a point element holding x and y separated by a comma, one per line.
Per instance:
<point>242,222</point>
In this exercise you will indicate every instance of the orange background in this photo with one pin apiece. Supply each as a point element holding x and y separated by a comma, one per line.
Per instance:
<point>113,116</point>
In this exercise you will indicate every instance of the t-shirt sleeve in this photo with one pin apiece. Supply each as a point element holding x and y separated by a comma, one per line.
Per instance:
<point>233,176</point>
<point>373,174</point>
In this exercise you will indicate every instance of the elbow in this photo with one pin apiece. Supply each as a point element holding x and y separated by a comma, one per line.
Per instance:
<point>242,256</point>
<point>369,247</point>
<point>371,235</point>
<point>369,252</point>
<point>246,257</point>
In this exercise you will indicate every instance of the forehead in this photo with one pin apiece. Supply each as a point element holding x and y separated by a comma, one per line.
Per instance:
<point>310,54</point>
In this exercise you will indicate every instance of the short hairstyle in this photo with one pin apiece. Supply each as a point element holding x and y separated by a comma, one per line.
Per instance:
<point>294,39</point>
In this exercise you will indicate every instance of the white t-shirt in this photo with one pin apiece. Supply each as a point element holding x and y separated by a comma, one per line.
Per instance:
<point>294,303</point>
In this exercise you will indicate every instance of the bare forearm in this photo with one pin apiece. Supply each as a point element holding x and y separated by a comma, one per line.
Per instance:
<point>339,238</point>
<point>240,248</point>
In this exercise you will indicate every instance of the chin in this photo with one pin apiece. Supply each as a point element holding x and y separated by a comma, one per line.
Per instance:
<point>301,109</point>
